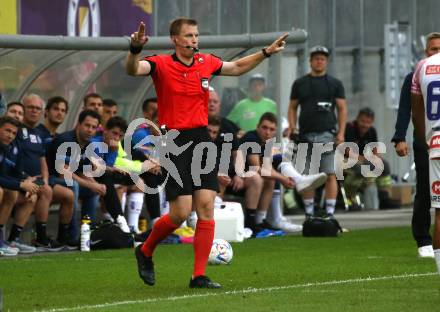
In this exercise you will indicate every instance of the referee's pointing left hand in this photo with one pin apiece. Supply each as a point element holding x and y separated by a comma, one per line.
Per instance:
<point>278,45</point>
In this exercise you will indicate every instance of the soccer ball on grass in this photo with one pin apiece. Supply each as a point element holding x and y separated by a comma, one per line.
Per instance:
<point>221,252</point>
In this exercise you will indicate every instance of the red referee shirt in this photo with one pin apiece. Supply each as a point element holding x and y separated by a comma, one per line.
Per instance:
<point>183,91</point>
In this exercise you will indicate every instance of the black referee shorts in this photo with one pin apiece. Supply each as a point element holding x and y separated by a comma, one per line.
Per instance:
<point>183,165</point>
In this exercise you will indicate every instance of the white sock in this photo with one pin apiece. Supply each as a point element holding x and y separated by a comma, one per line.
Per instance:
<point>309,206</point>
<point>274,213</point>
<point>107,216</point>
<point>259,217</point>
<point>123,202</point>
<point>135,202</point>
<point>437,259</point>
<point>164,204</point>
<point>287,170</point>
<point>330,206</point>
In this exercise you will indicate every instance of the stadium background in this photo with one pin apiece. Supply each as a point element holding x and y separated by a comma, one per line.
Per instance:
<point>354,30</point>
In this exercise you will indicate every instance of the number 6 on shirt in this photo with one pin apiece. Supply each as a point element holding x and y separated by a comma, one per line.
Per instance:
<point>433,100</point>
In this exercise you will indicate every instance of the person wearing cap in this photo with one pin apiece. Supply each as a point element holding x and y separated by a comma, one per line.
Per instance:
<point>319,95</point>
<point>247,113</point>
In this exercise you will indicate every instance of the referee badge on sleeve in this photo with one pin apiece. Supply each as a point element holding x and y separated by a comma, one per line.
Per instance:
<point>205,83</point>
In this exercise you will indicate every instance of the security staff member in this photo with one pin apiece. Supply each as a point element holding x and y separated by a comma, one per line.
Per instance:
<point>182,87</point>
<point>318,94</point>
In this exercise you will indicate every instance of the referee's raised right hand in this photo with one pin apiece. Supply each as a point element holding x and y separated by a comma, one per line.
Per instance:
<point>138,38</point>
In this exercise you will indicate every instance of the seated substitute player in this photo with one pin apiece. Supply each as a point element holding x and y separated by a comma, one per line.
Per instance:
<point>109,110</point>
<point>223,126</point>
<point>218,137</point>
<point>15,189</point>
<point>182,87</point>
<point>89,189</point>
<point>15,110</point>
<point>94,102</point>
<point>260,186</point>
<point>54,114</point>
<point>426,120</point>
<point>34,164</point>
<point>117,167</point>
<point>152,201</point>
<point>25,204</point>
<point>236,185</point>
<point>214,108</point>
<point>362,132</point>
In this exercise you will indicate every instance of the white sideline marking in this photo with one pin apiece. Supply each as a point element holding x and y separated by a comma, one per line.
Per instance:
<point>242,291</point>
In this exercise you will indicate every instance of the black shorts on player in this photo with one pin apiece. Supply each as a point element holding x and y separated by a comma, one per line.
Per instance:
<point>183,164</point>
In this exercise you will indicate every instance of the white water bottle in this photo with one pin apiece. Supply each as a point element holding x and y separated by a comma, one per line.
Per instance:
<point>85,233</point>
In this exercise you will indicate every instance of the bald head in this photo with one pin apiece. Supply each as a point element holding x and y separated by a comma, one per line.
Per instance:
<point>213,103</point>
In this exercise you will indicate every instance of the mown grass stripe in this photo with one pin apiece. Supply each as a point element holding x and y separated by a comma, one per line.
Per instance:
<point>243,291</point>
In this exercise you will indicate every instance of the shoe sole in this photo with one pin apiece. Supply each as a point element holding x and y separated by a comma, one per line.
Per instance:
<point>218,286</point>
<point>315,184</point>
<point>197,287</point>
<point>70,248</point>
<point>291,230</point>
<point>46,249</point>
<point>27,252</point>
<point>8,255</point>
<point>274,228</point>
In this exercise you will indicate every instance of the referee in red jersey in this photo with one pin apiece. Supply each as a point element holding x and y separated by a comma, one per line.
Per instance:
<point>181,81</point>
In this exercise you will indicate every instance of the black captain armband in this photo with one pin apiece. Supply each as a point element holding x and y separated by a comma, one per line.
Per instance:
<point>265,52</point>
<point>135,50</point>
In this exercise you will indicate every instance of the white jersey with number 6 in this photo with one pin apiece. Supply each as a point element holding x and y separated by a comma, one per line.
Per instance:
<point>426,81</point>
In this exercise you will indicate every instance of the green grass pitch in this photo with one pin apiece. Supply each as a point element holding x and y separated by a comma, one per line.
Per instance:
<point>365,270</point>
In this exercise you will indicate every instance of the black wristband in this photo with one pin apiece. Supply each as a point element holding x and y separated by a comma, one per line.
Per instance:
<point>265,52</point>
<point>135,50</point>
